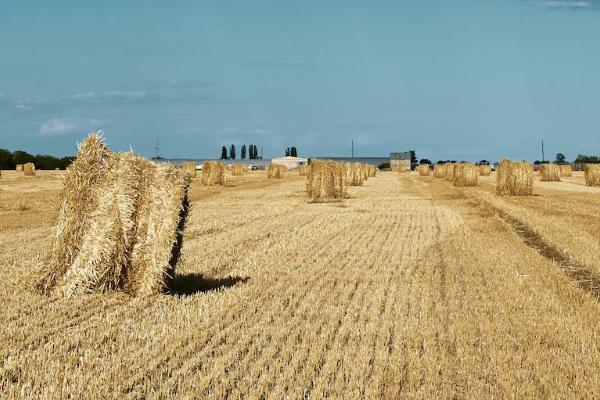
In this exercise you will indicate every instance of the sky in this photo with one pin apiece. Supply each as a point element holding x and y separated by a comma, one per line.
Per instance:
<point>464,80</point>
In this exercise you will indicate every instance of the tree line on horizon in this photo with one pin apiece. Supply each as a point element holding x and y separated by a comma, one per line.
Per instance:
<point>10,159</point>
<point>251,152</point>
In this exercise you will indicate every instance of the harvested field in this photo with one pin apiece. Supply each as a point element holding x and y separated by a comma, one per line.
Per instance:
<point>408,288</point>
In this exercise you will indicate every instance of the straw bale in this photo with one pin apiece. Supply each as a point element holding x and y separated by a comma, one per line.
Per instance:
<point>19,168</point>
<point>549,173</point>
<point>276,171</point>
<point>514,178</point>
<point>238,169</point>
<point>29,169</point>
<point>213,173</point>
<point>465,174</point>
<point>485,170</point>
<point>592,174</point>
<point>566,170</point>
<point>450,172</point>
<point>189,168</point>
<point>119,224</point>
<point>326,180</point>
<point>439,170</point>
<point>423,170</point>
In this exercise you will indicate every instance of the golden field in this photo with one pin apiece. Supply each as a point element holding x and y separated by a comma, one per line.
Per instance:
<point>408,288</point>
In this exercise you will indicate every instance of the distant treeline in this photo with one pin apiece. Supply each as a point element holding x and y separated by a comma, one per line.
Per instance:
<point>9,160</point>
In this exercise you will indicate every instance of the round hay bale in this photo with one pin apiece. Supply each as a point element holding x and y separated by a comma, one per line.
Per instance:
<point>565,170</point>
<point>325,180</point>
<point>514,178</point>
<point>485,170</point>
<point>213,174</point>
<point>423,170</point>
<point>29,169</point>
<point>450,172</point>
<point>189,168</point>
<point>465,174</point>
<point>238,169</point>
<point>592,174</point>
<point>19,168</point>
<point>439,170</point>
<point>549,173</point>
<point>276,171</point>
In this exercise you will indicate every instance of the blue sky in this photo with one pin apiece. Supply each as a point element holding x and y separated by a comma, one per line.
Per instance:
<point>452,79</point>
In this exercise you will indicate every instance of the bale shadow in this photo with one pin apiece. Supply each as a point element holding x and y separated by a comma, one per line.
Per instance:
<point>176,249</point>
<point>194,283</point>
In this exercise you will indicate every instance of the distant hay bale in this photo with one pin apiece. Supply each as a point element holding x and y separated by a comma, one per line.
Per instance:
<point>238,169</point>
<point>592,174</point>
<point>439,170</point>
<point>514,178</point>
<point>402,168</point>
<point>485,170</point>
<point>423,170</point>
<point>372,171</point>
<point>450,172</point>
<point>549,173</point>
<point>119,225</point>
<point>19,168</point>
<point>213,174</point>
<point>326,180</point>
<point>189,168</point>
<point>566,170</point>
<point>353,174</point>
<point>29,169</point>
<point>465,174</point>
<point>276,171</point>
<point>303,170</point>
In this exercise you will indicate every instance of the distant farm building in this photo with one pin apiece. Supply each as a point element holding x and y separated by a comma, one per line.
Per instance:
<point>400,161</point>
<point>290,162</point>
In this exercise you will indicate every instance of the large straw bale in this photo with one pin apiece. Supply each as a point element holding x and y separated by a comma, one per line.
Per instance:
<point>450,172</point>
<point>29,169</point>
<point>439,170</point>
<point>592,174</point>
<point>353,174</point>
<point>565,170</point>
<point>372,170</point>
<point>19,168</point>
<point>485,170</point>
<point>514,178</point>
<point>276,171</point>
<point>303,170</point>
<point>423,170</point>
<point>326,180</point>
<point>549,173</point>
<point>189,168</point>
<point>119,224</point>
<point>238,169</point>
<point>213,173</point>
<point>401,168</point>
<point>465,174</point>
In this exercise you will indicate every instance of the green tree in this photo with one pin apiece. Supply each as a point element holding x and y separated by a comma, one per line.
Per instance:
<point>560,158</point>
<point>6,159</point>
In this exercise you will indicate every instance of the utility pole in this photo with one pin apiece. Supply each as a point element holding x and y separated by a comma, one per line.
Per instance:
<point>352,148</point>
<point>543,157</point>
<point>157,149</point>
<point>261,153</point>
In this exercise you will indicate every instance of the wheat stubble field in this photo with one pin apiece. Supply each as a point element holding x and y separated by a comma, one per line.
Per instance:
<point>410,288</point>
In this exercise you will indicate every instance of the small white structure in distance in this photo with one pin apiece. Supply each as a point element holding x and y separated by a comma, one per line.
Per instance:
<point>290,162</point>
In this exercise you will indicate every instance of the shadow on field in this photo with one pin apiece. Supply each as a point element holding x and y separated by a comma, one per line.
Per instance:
<point>190,284</point>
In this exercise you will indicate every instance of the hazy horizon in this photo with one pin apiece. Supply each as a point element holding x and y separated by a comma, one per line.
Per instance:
<point>460,80</point>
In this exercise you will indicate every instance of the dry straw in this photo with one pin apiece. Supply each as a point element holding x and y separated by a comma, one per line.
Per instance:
<point>465,174</point>
<point>514,178</point>
<point>353,174</point>
<point>372,171</point>
<point>402,168</point>
<point>238,169</point>
<point>29,169</point>
<point>450,172</point>
<point>592,174</point>
<point>19,168</point>
<point>439,170</point>
<point>190,168</point>
<point>423,170</point>
<point>119,225</point>
<point>326,180</point>
<point>303,170</point>
<point>566,170</point>
<point>485,170</point>
<point>549,173</point>
<point>213,173</point>
<point>276,171</point>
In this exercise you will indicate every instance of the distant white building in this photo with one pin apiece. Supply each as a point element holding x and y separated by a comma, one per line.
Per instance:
<point>290,162</point>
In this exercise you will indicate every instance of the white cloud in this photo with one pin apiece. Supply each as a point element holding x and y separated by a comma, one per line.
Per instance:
<point>63,126</point>
<point>568,4</point>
